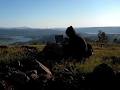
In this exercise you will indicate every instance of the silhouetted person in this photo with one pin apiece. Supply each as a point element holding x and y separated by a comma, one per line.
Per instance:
<point>75,46</point>
<point>89,51</point>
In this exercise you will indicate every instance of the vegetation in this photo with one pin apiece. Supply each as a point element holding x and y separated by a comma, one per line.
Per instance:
<point>67,74</point>
<point>12,53</point>
<point>102,37</point>
<point>23,65</point>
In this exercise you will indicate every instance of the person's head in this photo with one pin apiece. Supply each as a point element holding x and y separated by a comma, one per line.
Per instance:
<point>70,32</point>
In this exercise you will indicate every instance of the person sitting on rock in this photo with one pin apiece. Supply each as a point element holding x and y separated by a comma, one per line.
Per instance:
<point>76,46</point>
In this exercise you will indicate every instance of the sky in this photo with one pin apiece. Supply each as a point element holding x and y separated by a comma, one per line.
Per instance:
<point>59,13</point>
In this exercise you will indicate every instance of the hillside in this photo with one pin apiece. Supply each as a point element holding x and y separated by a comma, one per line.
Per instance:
<point>23,34</point>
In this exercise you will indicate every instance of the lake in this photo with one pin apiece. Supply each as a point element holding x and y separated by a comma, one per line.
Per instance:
<point>6,40</point>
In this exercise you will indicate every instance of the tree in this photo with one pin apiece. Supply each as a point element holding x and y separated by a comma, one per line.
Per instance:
<point>102,37</point>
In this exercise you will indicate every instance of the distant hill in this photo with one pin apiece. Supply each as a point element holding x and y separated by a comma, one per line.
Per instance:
<point>94,30</point>
<point>26,34</point>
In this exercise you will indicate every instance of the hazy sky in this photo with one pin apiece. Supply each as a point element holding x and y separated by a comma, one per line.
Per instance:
<point>59,13</point>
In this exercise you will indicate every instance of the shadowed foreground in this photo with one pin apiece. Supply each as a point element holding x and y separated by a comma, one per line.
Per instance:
<point>70,65</point>
<point>23,70</point>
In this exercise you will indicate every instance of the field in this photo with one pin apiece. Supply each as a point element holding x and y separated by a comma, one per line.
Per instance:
<point>66,74</point>
<point>100,55</point>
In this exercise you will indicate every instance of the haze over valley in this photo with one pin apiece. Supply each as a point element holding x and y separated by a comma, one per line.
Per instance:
<point>13,35</point>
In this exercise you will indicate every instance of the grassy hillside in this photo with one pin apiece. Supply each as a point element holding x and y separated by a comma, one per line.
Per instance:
<point>12,53</point>
<point>101,55</point>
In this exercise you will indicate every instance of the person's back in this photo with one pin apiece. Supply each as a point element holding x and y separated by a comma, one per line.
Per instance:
<point>89,51</point>
<point>76,46</point>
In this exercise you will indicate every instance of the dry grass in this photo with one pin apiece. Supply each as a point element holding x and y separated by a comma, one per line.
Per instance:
<point>16,53</point>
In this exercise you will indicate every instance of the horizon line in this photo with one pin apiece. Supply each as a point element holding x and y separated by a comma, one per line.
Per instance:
<point>56,27</point>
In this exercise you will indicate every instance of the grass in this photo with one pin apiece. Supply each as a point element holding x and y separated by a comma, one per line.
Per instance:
<point>96,58</point>
<point>13,53</point>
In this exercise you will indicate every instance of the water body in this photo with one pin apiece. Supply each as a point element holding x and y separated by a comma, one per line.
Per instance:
<point>21,38</point>
<point>6,40</point>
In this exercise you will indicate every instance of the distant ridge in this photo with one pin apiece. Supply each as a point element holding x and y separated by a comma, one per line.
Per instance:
<point>109,30</point>
<point>88,30</point>
<point>21,34</point>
